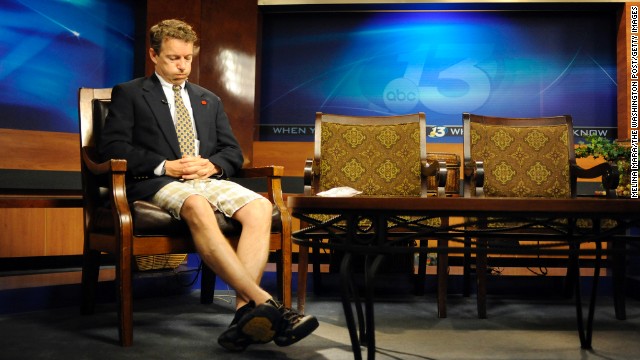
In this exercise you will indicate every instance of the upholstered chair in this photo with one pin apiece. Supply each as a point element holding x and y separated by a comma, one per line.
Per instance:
<point>521,157</point>
<point>129,232</point>
<point>375,155</point>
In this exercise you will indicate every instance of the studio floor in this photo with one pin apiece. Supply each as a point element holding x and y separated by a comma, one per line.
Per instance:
<point>407,327</point>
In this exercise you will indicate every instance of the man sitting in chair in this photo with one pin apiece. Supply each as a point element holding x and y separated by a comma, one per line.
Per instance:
<point>180,148</point>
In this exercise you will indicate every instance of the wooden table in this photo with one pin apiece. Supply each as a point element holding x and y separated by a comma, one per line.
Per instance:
<point>376,226</point>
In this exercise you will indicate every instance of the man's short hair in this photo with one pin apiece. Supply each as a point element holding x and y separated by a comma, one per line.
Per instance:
<point>171,29</point>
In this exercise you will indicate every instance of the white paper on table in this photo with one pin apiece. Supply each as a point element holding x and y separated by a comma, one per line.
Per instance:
<point>342,191</point>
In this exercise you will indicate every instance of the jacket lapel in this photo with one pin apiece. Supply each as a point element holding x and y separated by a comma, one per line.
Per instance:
<point>157,101</point>
<point>200,106</point>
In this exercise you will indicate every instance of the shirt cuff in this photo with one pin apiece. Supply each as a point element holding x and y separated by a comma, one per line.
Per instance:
<point>160,169</point>
<point>219,175</point>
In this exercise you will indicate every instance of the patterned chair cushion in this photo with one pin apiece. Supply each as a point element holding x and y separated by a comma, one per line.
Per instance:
<point>523,161</point>
<point>375,159</point>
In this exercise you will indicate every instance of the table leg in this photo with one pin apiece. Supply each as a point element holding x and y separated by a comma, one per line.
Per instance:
<point>317,274</point>
<point>594,294</point>
<point>619,278</point>
<point>586,334</point>
<point>572,275</point>
<point>421,278</point>
<point>370,273</point>
<point>359,313</point>
<point>346,284</point>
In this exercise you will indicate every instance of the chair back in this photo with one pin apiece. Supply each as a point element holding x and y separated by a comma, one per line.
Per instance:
<point>522,157</point>
<point>382,155</point>
<point>93,106</point>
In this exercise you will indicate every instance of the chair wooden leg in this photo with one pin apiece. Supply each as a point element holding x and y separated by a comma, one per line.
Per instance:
<point>280,277</point>
<point>443,277</point>
<point>466,268</point>
<point>283,269</point>
<point>287,278</point>
<point>421,277</point>
<point>207,285</point>
<point>481,276</point>
<point>303,264</point>
<point>90,274</point>
<point>125,299</point>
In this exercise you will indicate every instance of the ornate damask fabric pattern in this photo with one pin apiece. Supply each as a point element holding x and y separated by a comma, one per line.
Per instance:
<point>523,161</point>
<point>375,159</point>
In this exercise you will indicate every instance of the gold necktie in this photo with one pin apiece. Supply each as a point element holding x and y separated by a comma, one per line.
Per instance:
<point>184,127</point>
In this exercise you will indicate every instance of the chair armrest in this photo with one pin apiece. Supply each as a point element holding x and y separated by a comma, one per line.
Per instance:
<point>473,178</point>
<point>309,175</point>
<point>263,171</point>
<point>273,175</point>
<point>100,168</point>
<point>437,168</point>
<point>610,176</point>
<point>114,170</point>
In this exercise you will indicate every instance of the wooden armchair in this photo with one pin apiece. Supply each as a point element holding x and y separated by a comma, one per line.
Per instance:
<point>383,155</point>
<point>521,157</point>
<point>128,230</point>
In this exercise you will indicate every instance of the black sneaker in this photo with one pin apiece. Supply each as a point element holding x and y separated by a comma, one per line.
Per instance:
<point>232,339</point>
<point>294,327</point>
<point>260,324</point>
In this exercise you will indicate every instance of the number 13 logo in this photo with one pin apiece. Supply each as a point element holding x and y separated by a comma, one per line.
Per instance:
<point>469,89</point>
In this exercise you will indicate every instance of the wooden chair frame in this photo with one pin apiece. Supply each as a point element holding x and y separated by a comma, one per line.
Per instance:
<point>474,177</point>
<point>437,169</point>
<point>123,243</point>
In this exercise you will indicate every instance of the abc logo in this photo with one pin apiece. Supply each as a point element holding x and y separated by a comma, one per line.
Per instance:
<point>401,95</point>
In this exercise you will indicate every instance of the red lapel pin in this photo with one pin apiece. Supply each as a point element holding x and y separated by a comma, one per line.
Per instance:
<point>204,102</point>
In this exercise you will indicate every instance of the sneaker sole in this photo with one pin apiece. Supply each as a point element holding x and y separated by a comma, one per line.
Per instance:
<point>305,329</point>
<point>258,325</point>
<point>228,342</point>
<point>231,346</point>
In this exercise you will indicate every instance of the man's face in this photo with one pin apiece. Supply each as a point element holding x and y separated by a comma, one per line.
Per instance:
<point>174,61</point>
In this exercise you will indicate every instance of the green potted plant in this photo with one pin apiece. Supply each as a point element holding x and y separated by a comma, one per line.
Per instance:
<point>615,152</point>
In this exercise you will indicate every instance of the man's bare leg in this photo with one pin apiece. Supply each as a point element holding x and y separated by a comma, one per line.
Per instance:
<point>219,255</point>
<point>242,269</point>
<point>253,245</point>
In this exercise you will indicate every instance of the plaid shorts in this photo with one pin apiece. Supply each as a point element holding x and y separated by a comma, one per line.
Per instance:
<point>223,195</point>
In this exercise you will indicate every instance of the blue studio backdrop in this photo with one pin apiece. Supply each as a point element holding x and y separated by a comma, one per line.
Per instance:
<point>50,48</point>
<point>441,62</point>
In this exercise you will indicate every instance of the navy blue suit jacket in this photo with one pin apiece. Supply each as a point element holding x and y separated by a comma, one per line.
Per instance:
<point>139,129</point>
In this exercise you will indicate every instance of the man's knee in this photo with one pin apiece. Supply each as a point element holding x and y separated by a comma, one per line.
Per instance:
<point>195,205</point>
<point>266,207</point>
<point>257,209</point>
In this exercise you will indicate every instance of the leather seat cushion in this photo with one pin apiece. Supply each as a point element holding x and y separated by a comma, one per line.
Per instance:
<point>151,220</point>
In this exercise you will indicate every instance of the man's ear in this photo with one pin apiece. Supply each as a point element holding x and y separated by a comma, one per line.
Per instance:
<point>153,55</point>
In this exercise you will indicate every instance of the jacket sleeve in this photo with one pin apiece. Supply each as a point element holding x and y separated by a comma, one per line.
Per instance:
<point>120,138</point>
